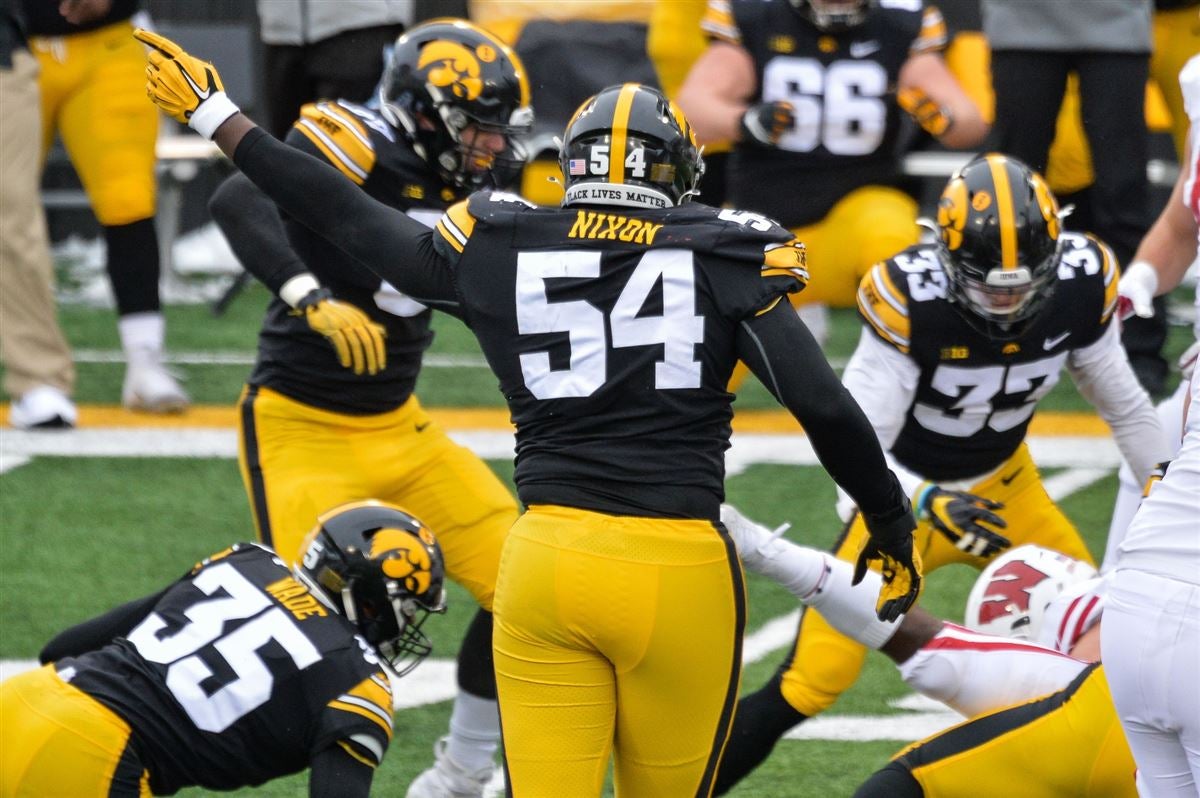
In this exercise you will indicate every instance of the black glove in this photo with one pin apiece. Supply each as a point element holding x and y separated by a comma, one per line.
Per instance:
<point>958,515</point>
<point>891,542</point>
<point>766,123</point>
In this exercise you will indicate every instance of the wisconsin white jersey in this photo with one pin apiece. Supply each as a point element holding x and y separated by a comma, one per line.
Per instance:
<point>1073,612</point>
<point>1164,537</point>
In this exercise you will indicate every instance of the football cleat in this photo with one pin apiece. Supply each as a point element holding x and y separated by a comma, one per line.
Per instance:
<point>447,779</point>
<point>43,407</point>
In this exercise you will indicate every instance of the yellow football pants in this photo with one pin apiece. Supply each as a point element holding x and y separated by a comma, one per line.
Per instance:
<point>1068,744</point>
<point>617,636</point>
<point>59,741</point>
<point>825,663</point>
<point>298,461</point>
<point>93,87</point>
<point>868,225</point>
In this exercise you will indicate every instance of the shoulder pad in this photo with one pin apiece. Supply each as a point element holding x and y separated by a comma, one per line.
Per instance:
<point>885,306</point>
<point>787,259</point>
<point>1085,257</point>
<point>340,136</point>
<point>719,23</point>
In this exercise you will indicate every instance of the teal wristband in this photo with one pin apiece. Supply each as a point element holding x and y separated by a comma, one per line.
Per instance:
<point>922,499</point>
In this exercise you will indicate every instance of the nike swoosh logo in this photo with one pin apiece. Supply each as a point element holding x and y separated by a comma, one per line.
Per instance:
<point>201,93</point>
<point>1006,480</point>
<point>862,49</point>
<point>421,427</point>
<point>1050,343</point>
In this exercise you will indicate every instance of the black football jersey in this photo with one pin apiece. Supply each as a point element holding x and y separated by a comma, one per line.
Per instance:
<point>300,363</point>
<point>239,675</point>
<point>612,332</point>
<point>976,394</point>
<point>843,89</point>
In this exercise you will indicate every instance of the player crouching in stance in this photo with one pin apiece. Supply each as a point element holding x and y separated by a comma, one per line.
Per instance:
<point>239,672</point>
<point>1026,673</point>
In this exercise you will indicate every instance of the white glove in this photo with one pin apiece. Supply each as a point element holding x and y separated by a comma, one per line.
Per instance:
<point>1136,289</point>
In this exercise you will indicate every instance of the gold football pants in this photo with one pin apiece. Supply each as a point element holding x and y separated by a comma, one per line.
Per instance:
<point>298,461</point>
<point>93,87</point>
<point>1068,744</point>
<point>59,741</point>
<point>617,636</point>
<point>825,663</point>
<point>867,226</point>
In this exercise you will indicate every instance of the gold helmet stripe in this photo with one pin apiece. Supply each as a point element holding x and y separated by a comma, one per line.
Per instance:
<point>1004,207</point>
<point>620,131</point>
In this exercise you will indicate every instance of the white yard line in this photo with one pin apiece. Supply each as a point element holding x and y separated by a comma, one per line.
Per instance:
<point>1085,459</point>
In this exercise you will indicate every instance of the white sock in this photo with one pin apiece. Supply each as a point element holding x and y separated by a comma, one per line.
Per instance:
<point>474,732</point>
<point>142,333</point>
<point>851,608</point>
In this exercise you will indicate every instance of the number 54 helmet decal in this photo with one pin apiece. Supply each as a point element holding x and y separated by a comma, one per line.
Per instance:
<point>629,145</point>
<point>383,570</point>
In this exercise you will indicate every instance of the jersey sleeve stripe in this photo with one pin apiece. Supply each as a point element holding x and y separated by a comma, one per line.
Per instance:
<point>344,131</point>
<point>884,308</point>
<point>769,307</point>
<point>364,709</point>
<point>456,225</point>
<point>932,37</point>
<point>719,23</point>
<point>1109,267</point>
<point>332,152</point>
<point>371,690</point>
<point>370,744</point>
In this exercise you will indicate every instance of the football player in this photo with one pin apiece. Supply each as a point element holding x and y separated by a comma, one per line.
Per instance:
<point>962,338</point>
<point>90,78</point>
<point>1025,673</point>
<point>329,414</point>
<point>811,92</point>
<point>1161,260</point>
<point>612,324</point>
<point>241,671</point>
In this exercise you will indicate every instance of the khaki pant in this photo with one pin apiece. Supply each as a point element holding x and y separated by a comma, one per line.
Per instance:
<point>32,346</point>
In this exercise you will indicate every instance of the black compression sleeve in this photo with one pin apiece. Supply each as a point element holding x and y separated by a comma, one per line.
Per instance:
<point>397,248</point>
<point>336,774</point>
<point>254,228</point>
<point>782,353</point>
<point>99,631</point>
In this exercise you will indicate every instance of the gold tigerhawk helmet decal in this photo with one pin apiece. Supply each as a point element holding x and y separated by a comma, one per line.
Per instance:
<point>402,558</point>
<point>952,213</point>
<point>452,65</point>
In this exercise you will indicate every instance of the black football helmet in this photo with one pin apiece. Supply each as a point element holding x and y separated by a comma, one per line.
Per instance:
<point>999,232</point>
<point>629,145</point>
<point>383,570</point>
<point>445,75</point>
<point>833,16</point>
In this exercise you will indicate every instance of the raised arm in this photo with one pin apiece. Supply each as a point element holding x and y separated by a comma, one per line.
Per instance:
<point>397,248</point>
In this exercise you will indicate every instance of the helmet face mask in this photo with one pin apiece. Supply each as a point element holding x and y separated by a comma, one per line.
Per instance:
<point>462,97</point>
<point>999,231</point>
<point>383,570</point>
<point>629,145</point>
<point>833,16</point>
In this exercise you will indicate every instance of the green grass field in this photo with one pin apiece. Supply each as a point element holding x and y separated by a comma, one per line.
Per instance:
<point>81,534</point>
